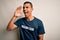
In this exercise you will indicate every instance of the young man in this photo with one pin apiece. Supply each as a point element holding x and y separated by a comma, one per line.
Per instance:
<point>30,27</point>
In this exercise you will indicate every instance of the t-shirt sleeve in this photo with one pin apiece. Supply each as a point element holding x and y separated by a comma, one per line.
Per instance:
<point>41,28</point>
<point>17,23</point>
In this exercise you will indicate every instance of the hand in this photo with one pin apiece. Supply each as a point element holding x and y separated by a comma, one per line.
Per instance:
<point>17,13</point>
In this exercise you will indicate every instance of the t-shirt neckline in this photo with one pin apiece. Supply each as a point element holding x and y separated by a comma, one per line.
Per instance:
<point>30,20</point>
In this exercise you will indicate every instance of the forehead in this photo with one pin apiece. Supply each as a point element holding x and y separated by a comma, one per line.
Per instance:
<point>27,4</point>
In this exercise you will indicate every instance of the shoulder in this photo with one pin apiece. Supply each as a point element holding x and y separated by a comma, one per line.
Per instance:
<point>38,20</point>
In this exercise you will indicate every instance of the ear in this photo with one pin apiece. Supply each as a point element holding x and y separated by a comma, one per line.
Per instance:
<point>32,9</point>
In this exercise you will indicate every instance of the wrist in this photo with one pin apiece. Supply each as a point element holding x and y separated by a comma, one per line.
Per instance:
<point>15,16</point>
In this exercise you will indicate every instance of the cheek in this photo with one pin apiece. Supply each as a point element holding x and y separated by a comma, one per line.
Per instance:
<point>29,10</point>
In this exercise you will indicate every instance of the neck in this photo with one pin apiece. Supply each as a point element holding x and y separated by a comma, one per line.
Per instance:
<point>30,18</point>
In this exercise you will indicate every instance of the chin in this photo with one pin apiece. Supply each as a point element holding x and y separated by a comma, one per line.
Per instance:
<point>26,16</point>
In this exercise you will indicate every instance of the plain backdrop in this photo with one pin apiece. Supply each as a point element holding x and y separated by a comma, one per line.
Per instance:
<point>46,10</point>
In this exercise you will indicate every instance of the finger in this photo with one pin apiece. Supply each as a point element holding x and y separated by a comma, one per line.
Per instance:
<point>19,8</point>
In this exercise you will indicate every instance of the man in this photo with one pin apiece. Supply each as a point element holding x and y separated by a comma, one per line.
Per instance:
<point>30,27</point>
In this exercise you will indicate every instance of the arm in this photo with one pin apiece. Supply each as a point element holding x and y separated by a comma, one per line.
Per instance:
<point>41,37</point>
<point>41,30</point>
<point>11,24</point>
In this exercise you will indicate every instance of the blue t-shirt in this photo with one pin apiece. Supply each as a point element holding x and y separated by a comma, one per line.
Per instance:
<point>29,30</point>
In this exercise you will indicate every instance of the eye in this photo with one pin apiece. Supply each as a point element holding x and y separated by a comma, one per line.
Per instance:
<point>26,7</point>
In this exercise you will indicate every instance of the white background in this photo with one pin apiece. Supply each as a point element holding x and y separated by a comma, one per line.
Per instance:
<point>46,10</point>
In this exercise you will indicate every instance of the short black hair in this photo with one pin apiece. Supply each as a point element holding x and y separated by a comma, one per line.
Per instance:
<point>29,3</point>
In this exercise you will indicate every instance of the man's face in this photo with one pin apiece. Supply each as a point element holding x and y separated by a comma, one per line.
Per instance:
<point>27,9</point>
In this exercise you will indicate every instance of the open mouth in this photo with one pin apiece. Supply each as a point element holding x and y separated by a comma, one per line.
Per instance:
<point>25,12</point>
